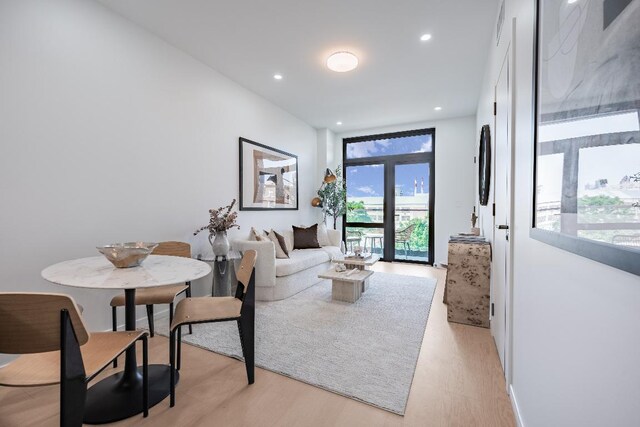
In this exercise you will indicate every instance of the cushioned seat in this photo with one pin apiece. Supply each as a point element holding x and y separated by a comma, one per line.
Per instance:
<point>155,295</point>
<point>300,260</point>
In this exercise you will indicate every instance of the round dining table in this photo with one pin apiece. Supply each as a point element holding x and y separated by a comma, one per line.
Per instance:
<point>119,396</point>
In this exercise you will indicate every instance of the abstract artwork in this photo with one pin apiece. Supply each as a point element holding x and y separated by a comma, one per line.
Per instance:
<point>587,133</point>
<point>268,177</point>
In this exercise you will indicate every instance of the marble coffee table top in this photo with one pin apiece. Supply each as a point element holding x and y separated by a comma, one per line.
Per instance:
<point>357,276</point>
<point>98,273</point>
<point>355,261</point>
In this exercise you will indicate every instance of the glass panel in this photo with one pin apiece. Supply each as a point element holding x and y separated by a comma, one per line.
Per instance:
<point>389,146</point>
<point>365,193</point>
<point>367,239</point>
<point>549,191</point>
<point>412,212</point>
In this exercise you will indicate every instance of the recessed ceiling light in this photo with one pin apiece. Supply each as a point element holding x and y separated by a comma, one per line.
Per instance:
<point>341,62</point>
<point>277,76</point>
<point>426,37</point>
<point>438,108</point>
<point>339,123</point>
<point>571,1</point>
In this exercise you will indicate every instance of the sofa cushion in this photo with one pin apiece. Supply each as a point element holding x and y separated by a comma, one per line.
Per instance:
<point>305,238</point>
<point>300,260</point>
<point>278,243</point>
<point>333,252</point>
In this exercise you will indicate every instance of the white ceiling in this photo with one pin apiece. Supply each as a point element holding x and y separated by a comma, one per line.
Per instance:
<point>400,79</point>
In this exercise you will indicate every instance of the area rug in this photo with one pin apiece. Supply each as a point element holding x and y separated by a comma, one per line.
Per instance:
<point>365,351</point>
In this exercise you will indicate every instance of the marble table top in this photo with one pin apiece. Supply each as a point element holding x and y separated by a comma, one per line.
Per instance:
<point>99,273</point>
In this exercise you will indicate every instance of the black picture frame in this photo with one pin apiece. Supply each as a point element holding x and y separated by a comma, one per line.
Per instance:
<point>484,165</point>
<point>573,226</point>
<point>253,194</point>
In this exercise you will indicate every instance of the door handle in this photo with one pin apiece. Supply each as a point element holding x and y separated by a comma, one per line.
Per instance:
<point>502,227</point>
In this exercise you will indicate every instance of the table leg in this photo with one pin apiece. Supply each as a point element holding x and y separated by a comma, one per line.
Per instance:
<point>119,396</point>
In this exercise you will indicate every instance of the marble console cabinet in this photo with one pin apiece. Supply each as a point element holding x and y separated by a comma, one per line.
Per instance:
<point>467,289</point>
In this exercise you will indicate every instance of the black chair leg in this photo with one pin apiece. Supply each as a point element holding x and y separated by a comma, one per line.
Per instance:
<point>245,329</point>
<point>172,362</point>
<point>114,327</point>
<point>150,319</point>
<point>188,293</point>
<point>145,376</point>
<point>179,348</point>
<point>73,384</point>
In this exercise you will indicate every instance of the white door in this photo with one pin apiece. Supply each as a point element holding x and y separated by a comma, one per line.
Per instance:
<point>502,199</point>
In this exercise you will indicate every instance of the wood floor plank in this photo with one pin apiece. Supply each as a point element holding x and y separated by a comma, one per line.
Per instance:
<point>458,382</point>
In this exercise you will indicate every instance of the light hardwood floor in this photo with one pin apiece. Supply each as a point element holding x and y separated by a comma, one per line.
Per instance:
<point>458,382</point>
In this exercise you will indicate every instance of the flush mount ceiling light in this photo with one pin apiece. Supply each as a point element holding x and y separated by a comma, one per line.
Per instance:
<point>425,37</point>
<point>438,108</point>
<point>339,123</point>
<point>341,62</point>
<point>277,76</point>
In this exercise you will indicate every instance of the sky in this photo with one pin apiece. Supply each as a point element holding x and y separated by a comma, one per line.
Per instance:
<point>386,147</point>
<point>368,181</point>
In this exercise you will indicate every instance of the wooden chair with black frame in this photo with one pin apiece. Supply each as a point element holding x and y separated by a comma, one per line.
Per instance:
<point>48,332</point>
<point>239,308</point>
<point>158,295</point>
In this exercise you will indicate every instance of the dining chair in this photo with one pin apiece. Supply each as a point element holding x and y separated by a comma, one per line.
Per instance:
<point>157,295</point>
<point>404,236</point>
<point>240,308</point>
<point>48,332</point>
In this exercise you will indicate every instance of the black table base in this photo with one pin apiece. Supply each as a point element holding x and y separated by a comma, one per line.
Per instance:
<point>120,396</point>
<point>113,398</point>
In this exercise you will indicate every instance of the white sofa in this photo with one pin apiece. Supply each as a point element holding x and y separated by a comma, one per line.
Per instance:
<point>278,279</point>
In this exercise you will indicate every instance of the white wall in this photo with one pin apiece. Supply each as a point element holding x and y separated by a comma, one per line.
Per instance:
<point>455,174</point>
<point>576,325</point>
<point>108,134</point>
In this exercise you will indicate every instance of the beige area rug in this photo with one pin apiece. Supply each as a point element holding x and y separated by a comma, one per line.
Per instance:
<point>365,351</point>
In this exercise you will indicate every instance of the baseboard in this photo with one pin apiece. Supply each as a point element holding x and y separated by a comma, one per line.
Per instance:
<point>514,405</point>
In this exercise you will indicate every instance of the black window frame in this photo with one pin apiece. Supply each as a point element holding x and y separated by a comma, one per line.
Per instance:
<point>389,162</point>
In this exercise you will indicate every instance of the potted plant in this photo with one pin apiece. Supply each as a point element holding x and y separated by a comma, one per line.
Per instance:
<point>332,195</point>
<point>221,220</point>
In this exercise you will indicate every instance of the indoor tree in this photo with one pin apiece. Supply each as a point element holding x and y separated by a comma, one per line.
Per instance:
<point>333,197</point>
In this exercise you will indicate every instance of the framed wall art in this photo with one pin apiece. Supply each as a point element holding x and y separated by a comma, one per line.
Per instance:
<point>587,129</point>
<point>268,178</point>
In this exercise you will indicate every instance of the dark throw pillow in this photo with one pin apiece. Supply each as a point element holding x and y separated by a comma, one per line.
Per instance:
<point>305,238</point>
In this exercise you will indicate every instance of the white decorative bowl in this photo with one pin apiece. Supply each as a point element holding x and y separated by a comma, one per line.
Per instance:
<point>125,255</point>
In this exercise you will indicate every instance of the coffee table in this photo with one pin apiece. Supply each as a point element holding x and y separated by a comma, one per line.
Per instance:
<point>347,287</point>
<point>360,264</point>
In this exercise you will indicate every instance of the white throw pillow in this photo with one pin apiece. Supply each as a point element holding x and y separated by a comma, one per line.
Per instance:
<point>280,252</point>
<point>323,235</point>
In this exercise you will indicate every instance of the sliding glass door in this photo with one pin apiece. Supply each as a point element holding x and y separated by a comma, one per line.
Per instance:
<point>390,195</point>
